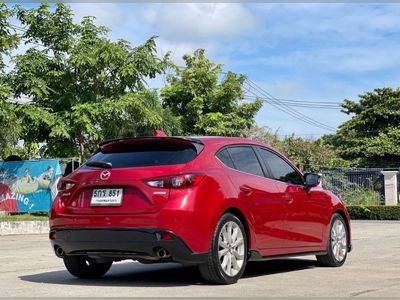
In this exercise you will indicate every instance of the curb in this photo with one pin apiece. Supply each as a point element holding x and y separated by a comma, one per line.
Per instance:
<point>24,227</point>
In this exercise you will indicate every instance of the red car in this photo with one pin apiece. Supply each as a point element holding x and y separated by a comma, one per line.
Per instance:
<point>215,202</point>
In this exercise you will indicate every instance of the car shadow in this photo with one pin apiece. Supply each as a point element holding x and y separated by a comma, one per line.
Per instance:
<point>167,274</point>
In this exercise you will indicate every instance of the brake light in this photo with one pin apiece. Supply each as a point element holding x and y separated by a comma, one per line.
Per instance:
<point>180,181</point>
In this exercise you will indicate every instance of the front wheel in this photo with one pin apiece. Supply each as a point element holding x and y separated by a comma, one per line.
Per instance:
<point>83,267</point>
<point>337,244</point>
<point>227,257</point>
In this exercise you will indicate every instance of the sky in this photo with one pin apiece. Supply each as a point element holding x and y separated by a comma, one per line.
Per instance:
<point>308,52</point>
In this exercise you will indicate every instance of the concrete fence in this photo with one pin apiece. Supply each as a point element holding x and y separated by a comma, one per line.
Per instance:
<point>24,227</point>
<point>391,187</point>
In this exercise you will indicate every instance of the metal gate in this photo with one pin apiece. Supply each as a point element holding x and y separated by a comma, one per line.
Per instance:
<point>356,186</point>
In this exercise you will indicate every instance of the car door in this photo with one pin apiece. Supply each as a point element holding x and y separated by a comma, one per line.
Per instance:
<point>303,219</point>
<point>257,192</point>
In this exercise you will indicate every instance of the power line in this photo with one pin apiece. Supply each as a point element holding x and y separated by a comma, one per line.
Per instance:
<point>322,103</point>
<point>281,106</point>
<point>293,111</point>
<point>289,103</point>
<point>297,115</point>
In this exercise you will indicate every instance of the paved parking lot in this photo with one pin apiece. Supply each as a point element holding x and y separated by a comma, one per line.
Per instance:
<point>29,268</point>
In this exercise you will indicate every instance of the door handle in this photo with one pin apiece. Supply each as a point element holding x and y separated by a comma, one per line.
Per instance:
<point>246,189</point>
<point>287,198</point>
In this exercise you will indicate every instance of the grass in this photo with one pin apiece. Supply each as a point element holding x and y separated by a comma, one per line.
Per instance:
<point>24,217</point>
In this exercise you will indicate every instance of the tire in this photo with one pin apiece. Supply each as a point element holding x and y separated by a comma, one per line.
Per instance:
<point>83,267</point>
<point>233,249</point>
<point>337,244</point>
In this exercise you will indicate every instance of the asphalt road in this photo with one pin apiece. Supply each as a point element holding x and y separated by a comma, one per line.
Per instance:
<point>29,268</point>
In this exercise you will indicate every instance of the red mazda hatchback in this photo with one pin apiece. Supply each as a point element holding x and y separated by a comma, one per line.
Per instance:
<point>215,202</point>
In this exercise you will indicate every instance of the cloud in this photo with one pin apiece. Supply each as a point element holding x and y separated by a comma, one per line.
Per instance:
<point>181,27</point>
<point>106,14</point>
<point>201,22</point>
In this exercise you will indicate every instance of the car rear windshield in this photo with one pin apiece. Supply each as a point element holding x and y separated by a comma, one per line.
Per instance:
<point>128,156</point>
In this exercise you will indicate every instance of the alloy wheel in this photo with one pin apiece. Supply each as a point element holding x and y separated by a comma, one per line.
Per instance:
<point>231,248</point>
<point>339,240</point>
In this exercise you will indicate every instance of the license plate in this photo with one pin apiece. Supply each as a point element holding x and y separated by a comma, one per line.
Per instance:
<point>106,197</point>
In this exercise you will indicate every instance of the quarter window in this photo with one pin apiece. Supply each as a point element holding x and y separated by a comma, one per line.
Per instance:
<point>225,158</point>
<point>280,169</point>
<point>245,160</point>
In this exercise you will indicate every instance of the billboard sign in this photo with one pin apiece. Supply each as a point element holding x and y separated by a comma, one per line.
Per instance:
<point>28,186</point>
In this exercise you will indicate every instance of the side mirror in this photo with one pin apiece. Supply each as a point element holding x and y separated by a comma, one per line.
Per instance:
<point>311,179</point>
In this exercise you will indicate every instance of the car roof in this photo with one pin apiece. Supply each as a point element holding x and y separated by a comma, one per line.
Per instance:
<point>208,140</point>
<point>216,141</point>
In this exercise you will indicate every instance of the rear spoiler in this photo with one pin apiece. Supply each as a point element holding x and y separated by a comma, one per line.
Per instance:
<point>197,143</point>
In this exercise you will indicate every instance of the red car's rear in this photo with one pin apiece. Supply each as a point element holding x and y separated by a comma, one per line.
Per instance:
<point>111,206</point>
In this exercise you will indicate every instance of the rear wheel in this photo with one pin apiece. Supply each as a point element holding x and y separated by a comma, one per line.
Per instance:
<point>83,267</point>
<point>337,245</point>
<point>227,257</point>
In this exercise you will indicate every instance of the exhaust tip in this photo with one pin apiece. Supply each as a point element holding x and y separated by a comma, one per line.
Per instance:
<point>59,251</point>
<point>162,253</point>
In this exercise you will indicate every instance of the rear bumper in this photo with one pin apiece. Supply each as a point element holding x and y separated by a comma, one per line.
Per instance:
<point>123,243</point>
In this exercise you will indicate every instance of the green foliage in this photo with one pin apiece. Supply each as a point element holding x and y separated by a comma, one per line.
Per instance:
<point>307,154</point>
<point>374,212</point>
<point>8,39</point>
<point>311,155</point>
<point>9,125</point>
<point>352,193</point>
<point>371,137</point>
<point>85,87</point>
<point>264,135</point>
<point>205,106</point>
<point>26,152</point>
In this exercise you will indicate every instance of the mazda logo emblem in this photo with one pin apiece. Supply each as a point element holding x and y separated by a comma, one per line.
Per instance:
<point>105,175</point>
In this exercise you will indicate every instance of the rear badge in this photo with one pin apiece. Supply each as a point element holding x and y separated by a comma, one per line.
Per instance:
<point>159,193</point>
<point>105,175</point>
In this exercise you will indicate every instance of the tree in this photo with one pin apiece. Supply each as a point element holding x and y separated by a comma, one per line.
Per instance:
<point>312,155</point>
<point>265,135</point>
<point>8,41</point>
<point>205,106</point>
<point>85,87</point>
<point>371,138</point>
<point>307,154</point>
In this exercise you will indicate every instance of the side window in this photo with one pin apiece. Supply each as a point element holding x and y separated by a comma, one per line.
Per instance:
<point>225,158</point>
<point>245,160</point>
<point>280,169</point>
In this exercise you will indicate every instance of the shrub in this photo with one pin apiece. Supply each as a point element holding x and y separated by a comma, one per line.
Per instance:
<point>374,212</point>
<point>353,193</point>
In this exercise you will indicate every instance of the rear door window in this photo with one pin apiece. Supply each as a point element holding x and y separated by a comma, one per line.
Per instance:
<point>147,155</point>
<point>245,160</point>
<point>280,169</point>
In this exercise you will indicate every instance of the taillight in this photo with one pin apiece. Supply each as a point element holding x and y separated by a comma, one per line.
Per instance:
<point>58,206</point>
<point>64,187</point>
<point>185,181</point>
<point>180,181</point>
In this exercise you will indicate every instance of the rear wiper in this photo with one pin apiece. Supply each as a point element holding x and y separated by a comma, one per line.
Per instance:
<point>99,164</point>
